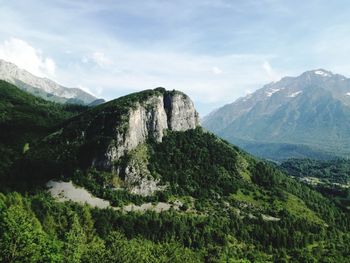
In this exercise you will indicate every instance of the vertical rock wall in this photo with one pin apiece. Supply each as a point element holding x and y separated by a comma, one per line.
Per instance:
<point>173,111</point>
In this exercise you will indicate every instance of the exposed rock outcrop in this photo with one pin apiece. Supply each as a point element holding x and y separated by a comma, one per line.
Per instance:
<point>137,178</point>
<point>140,181</point>
<point>181,113</point>
<point>114,136</point>
<point>149,119</point>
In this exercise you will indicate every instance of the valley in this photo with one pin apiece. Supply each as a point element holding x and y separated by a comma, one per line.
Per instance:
<point>184,131</point>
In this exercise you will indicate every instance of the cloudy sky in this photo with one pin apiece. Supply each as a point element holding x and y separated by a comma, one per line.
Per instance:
<point>214,50</point>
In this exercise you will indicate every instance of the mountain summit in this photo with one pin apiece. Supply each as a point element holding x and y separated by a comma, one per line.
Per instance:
<point>43,87</point>
<point>102,137</point>
<point>304,116</point>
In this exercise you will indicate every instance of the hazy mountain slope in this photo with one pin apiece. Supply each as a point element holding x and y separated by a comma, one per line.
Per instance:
<point>311,110</point>
<point>281,151</point>
<point>42,87</point>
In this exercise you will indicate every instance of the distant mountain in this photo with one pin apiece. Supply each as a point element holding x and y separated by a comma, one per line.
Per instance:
<point>310,114</point>
<point>43,87</point>
<point>96,102</point>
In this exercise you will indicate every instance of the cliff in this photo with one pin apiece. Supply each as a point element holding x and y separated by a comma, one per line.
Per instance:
<point>100,137</point>
<point>149,119</point>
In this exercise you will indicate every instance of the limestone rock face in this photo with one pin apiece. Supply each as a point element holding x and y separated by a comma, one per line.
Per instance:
<point>149,119</point>
<point>182,115</point>
<point>114,137</point>
<point>138,179</point>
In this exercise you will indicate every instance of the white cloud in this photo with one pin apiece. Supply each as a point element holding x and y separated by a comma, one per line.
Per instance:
<point>128,69</point>
<point>27,57</point>
<point>84,60</point>
<point>271,74</point>
<point>134,69</point>
<point>216,70</point>
<point>101,59</point>
<point>50,66</point>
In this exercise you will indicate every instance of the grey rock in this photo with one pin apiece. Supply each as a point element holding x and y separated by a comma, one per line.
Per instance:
<point>307,116</point>
<point>101,137</point>
<point>182,115</point>
<point>43,87</point>
<point>138,180</point>
<point>150,119</point>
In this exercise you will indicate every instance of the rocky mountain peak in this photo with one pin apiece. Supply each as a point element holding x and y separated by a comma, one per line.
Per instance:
<point>111,130</point>
<point>312,109</point>
<point>149,118</point>
<point>114,136</point>
<point>322,73</point>
<point>42,87</point>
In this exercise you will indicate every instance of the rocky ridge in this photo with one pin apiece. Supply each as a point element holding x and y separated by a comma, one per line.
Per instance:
<point>43,87</point>
<point>150,119</point>
<point>301,117</point>
<point>109,137</point>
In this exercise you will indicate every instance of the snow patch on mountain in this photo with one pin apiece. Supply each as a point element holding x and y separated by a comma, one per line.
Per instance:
<point>247,97</point>
<point>294,94</point>
<point>348,93</point>
<point>322,73</point>
<point>271,91</point>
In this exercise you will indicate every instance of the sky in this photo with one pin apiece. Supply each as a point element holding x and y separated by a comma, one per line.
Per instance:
<point>214,50</point>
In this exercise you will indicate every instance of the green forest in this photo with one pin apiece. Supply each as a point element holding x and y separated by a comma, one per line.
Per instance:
<point>234,207</point>
<point>331,177</point>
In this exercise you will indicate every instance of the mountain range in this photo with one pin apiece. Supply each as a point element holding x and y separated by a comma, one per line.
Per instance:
<point>303,116</point>
<point>43,87</point>
<point>137,179</point>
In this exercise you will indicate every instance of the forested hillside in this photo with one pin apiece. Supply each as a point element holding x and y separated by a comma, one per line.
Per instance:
<point>223,205</point>
<point>24,119</point>
<point>331,178</point>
